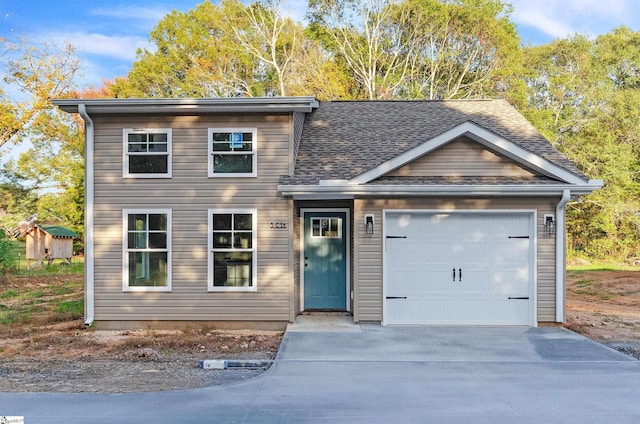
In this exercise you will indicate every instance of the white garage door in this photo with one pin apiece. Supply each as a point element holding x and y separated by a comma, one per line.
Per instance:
<point>458,268</point>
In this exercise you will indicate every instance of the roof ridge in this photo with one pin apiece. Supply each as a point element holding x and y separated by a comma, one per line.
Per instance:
<point>411,101</point>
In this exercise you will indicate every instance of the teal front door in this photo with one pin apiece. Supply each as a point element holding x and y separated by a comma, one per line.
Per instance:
<point>325,260</point>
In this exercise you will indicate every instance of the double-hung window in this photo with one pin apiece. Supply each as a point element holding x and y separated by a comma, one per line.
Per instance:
<point>147,153</point>
<point>147,250</point>
<point>232,152</point>
<point>232,249</point>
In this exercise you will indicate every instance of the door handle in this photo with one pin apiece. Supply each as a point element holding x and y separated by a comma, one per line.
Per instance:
<point>459,274</point>
<point>454,275</point>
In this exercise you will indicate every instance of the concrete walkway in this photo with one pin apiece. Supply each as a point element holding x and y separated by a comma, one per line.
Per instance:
<point>386,374</point>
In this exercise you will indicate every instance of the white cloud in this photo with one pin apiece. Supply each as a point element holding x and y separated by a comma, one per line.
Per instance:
<point>566,17</point>
<point>545,23</point>
<point>152,14</point>
<point>122,47</point>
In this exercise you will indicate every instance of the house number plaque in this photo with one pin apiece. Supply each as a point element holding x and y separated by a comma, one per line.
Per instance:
<point>278,225</point>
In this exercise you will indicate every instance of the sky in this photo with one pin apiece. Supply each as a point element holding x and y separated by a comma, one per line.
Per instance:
<point>107,33</point>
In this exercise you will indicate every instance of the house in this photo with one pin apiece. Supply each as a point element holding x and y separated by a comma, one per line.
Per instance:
<point>49,242</point>
<point>243,212</point>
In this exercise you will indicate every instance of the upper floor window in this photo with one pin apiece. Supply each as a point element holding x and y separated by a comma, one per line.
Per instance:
<point>147,153</point>
<point>232,152</point>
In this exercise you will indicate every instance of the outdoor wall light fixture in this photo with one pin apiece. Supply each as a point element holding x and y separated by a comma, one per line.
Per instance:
<point>368,223</point>
<point>549,224</point>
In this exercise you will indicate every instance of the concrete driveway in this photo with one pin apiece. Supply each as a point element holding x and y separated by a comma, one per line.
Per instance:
<point>373,374</point>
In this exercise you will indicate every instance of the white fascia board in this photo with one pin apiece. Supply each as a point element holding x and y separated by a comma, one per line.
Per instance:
<point>191,105</point>
<point>313,191</point>
<point>484,137</point>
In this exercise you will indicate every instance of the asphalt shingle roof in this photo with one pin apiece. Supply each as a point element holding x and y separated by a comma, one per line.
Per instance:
<point>341,140</point>
<point>58,231</point>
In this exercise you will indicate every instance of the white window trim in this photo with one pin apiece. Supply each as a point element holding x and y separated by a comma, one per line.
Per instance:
<point>254,250</point>
<point>125,250</point>
<point>126,154</point>
<point>254,153</point>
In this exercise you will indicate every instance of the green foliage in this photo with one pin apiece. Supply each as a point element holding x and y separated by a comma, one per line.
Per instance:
<point>194,56</point>
<point>584,96</point>
<point>8,258</point>
<point>419,49</point>
<point>49,177</point>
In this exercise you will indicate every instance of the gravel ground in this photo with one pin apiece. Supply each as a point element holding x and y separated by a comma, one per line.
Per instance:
<point>108,376</point>
<point>631,350</point>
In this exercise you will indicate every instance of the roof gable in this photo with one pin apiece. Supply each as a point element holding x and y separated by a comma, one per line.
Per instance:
<point>462,157</point>
<point>489,139</point>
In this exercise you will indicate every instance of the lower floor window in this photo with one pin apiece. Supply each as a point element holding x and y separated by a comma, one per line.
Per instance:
<point>148,269</point>
<point>147,247</point>
<point>232,249</point>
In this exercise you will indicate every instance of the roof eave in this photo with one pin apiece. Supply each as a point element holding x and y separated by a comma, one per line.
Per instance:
<point>191,105</point>
<point>306,191</point>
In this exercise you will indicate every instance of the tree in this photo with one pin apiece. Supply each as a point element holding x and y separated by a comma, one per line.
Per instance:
<point>41,73</point>
<point>583,95</point>
<point>52,168</point>
<point>194,56</point>
<point>462,48</point>
<point>417,49</point>
<point>361,33</point>
<point>261,31</point>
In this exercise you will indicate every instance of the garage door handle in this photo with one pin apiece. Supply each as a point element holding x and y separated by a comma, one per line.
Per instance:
<point>519,298</point>
<point>460,274</point>
<point>396,297</point>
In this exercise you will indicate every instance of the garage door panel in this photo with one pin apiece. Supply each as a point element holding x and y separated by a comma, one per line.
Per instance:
<point>437,311</point>
<point>415,283</point>
<point>458,268</point>
<point>510,282</point>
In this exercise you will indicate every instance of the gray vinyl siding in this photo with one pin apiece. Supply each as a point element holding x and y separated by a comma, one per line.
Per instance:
<point>461,158</point>
<point>189,194</point>
<point>368,272</point>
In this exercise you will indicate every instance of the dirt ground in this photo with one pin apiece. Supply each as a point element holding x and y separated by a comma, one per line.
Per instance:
<point>605,306</point>
<point>45,347</point>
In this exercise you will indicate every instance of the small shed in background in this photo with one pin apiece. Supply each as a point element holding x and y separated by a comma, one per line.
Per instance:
<point>49,242</point>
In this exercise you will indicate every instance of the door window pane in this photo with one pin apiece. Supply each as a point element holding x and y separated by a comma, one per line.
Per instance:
<point>326,227</point>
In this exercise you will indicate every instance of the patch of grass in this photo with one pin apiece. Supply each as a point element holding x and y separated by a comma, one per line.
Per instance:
<point>33,295</point>
<point>606,296</point>
<point>584,283</point>
<point>603,266</point>
<point>8,317</point>
<point>20,315</point>
<point>59,268</point>
<point>9,294</point>
<point>587,292</point>
<point>72,308</point>
<point>62,290</point>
